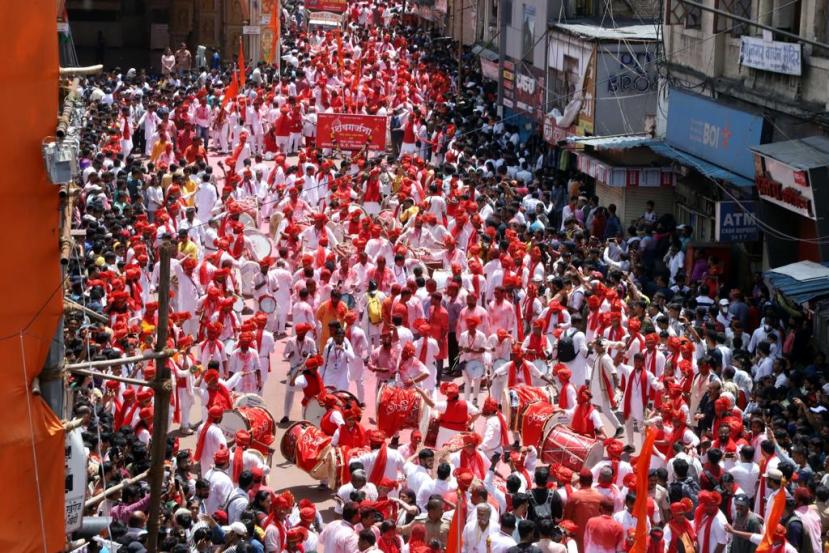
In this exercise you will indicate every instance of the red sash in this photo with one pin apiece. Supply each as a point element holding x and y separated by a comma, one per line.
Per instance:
<point>643,388</point>
<point>582,423</point>
<point>473,463</point>
<point>379,467</point>
<point>511,380</point>
<point>200,442</point>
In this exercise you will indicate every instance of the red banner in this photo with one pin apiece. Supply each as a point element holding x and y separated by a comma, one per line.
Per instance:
<point>351,132</point>
<point>336,6</point>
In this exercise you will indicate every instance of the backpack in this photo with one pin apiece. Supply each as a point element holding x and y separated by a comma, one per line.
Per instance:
<point>375,310</point>
<point>541,510</point>
<point>566,348</point>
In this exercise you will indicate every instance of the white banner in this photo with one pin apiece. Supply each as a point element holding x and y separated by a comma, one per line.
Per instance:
<point>770,55</point>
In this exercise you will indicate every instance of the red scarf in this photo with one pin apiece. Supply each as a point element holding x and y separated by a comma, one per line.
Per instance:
<point>705,530</point>
<point>680,525</point>
<point>389,545</point>
<point>762,488</point>
<point>563,401</point>
<point>220,396</point>
<point>519,319</point>
<point>594,319</point>
<point>130,414</point>
<point>379,467</point>
<point>424,349</point>
<point>643,388</point>
<point>120,413</point>
<point>608,385</point>
<point>512,381</point>
<point>615,334</point>
<point>650,360</point>
<point>536,345</point>
<point>528,307</point>
<point>238,461</point>
<point>581,419</point>
<point>473,463</point>
<point>200,441</point>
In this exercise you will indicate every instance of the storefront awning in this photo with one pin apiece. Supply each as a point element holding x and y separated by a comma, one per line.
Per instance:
<point>708,169</point>
<point>801,154</point>
<point>800,282</point>
<point>620,142</point>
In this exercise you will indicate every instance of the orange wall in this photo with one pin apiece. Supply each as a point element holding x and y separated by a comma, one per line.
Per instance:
<point>31,513</point>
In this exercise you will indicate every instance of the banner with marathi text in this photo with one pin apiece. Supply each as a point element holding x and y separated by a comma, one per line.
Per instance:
<point>336,6</point>
<point>351,132</point>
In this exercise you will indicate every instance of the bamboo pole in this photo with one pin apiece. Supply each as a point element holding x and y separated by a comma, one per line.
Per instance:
<point>66,240</point>
<point>92,501</point>
<point>69,305</point>
<point>148,356</point>
<point>108,376</point>
<point>163,387</point>
<point>89,70</point>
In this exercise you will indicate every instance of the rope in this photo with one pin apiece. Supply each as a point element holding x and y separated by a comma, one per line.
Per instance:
<point>27,391</point>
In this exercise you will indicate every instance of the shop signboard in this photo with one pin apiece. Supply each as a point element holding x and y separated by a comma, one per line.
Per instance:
<point>786,187</point>
<point>771,55</point>
<point>735,222</point>
<point>713,132</point>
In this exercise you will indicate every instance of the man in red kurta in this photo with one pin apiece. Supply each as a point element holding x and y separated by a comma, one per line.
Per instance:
<point>603,534</point>
<point>583,505</point>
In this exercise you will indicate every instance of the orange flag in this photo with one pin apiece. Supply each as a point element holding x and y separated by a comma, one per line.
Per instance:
<point>231,91</point>
<point>274,25</point>
<point>640,508</point>
<point>340,61</point>
<point>241,63</point>
<point>775,514</point>
<point>357,74</point>
<point>454,542</point>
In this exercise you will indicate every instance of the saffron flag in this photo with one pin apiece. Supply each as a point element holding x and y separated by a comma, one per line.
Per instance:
<point>773,519</point>
<point>274,25</point>
<point>454,541</point>
<point>340,61</point>
<point>357,74</point>
<point>231,91</point>
<point>640,508</point>
<point>241,63</point>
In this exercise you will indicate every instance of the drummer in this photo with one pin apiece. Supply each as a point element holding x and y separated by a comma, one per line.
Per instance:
<point>455,415</point>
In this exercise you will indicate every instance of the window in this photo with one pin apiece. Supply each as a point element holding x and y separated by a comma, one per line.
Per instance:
<point>786,17</point>
<point>741,8</point>
<point>679,13</point>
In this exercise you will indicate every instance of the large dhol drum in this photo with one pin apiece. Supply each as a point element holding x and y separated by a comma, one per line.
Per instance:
<point>304,445</point>
<point>260,244</point>
<point>574,451</point>
<point>314,411</point>
<point>401,408</point>
<point>516,400</point>
<point>255,420</point>
<point>333,465</point>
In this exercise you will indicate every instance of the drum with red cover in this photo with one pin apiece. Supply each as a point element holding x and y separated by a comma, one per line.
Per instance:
<point>574,451</point>
<point>256,420</point>
<point>401,408</point>
<point>516,400</point>
<point>304,445</point>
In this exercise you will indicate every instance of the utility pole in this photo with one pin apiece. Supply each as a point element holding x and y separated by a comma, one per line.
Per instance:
<point>460,15</point>
<point>163,387</point>
<point>502,52</point>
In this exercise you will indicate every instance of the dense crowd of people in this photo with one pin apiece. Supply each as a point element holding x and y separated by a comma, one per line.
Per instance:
<point>464,272</point>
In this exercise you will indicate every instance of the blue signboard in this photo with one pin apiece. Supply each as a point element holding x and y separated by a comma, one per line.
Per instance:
<point>735,222</point>
<point>716,133</point>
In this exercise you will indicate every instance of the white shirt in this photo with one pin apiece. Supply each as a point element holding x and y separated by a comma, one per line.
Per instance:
<point>220,489</point>
<point>500,542</point>
<point>345,490</point>
<point>746,475</point>
<point>474,538</point>
<point>214,440</point>
<point>416,476</point>
<point>718,534</point>
<point>394,462</point>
